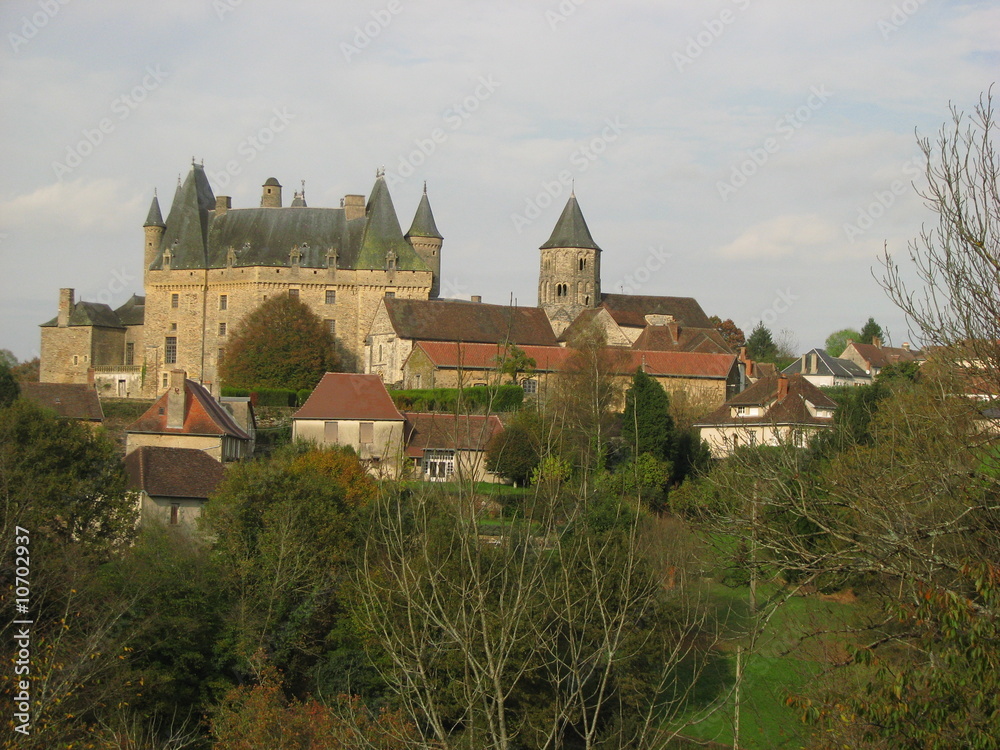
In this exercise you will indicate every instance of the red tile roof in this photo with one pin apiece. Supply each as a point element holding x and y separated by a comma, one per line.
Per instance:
<point>449,432</point>
<point>791,409</point>
<point>68,400</point>
<point>555,358</point>
<point>342,395</point>
<point>883,356</point>
<point>687,339</point>
<point>173,472</point>
<point>203,415</point>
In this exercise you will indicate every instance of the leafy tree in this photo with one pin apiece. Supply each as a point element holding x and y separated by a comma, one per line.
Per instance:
<point>9,389</point>
<point>7,359</point>
<point>729,331</point>
<point>514,453</point>
<point>870,332</point>
<point>281,344</point>
<point>837,341</point>
<point>514,361</point>
<point>647,426</point>
<point>760,345</point>
<point>27,371</point>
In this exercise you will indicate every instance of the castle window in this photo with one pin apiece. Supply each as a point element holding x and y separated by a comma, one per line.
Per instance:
<point>221,351</point>
<point>222,329</point>
<point>331,326</point>
<point>331,296</point>
<point>390,295</point>
<point>293,293</point>
<point>223,301</point>
<point>170,351</point>
<point>530,387</point>
<point>166,382</point>
<point>76,359</point>
<point>175,301</point>
<point>583,263</point>
<point>586,300</point>
<point>173,326</point>
<point>130,353</point>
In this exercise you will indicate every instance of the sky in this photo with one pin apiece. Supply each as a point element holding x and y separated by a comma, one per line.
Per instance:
<point>756,155</point>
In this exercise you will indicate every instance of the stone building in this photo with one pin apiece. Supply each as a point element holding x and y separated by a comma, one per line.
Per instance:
<point>209,264</point>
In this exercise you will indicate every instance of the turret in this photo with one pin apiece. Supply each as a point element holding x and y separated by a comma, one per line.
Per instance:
<point>271,194</point>
<point>569,280</point>
<point>154,229</point>
<point>427,240</point>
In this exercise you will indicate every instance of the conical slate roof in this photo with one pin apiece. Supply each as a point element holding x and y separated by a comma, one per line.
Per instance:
<point>154,218</point>
<point>383,234</point>
<point>423,221</point>
<point>187,223</point>
<point>571,229</point>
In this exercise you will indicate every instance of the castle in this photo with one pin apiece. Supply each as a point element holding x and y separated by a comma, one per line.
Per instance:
<point>209,264</point>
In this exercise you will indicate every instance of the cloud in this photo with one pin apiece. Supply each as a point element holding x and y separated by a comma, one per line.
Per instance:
<point>77,205</point>
<point>781,237</point>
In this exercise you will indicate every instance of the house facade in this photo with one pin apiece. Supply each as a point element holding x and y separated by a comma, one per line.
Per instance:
<point>821,369</point>
<point>449,447</point>
<point>873,358</point>
<point>175,484</point>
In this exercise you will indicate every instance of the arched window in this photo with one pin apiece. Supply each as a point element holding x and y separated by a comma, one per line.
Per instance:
<point>583,263</point>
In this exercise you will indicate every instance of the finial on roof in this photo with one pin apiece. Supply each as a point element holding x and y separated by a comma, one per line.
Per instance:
<point>572,188</point>
<point>303,188</point>
<point>425,187</point>
<point>178,179</point>
<point>192,161</point>
<point>380,172</point>
<point>203,161</point>
<point>154,192</point>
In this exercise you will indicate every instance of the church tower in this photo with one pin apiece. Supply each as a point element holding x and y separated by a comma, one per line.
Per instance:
<point>569,280</point>
<point>154,229</point>
<point>427,241</point>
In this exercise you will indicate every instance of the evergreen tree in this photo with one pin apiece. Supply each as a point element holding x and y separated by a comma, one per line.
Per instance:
<point>281,344</point>
<point>647,426</point>
<point>760,345</point>
<point>9,389</point>
<point>870,332</point>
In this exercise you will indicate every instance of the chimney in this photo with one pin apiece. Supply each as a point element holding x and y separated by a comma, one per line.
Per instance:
<point>813,363</point>
<point>175,400</point>
<point>222,204</point>
<point>877,342</point>
<point>354,206</point>
<point>906,346</point>
<point>805,364</point>
<point>674,327</point>
<point>270,196</point>
<point>65,307</point>
<point>477,298</point>
<point>782,387</point>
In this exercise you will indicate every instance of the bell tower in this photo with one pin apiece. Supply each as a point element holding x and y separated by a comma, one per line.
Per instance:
<point>569,280</point>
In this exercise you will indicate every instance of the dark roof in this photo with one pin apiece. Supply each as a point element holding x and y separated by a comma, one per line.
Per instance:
<point>265,237</point>
<point>662,338</point>
<point>450,320</point>
<point>383,235</point>
<point>271,182</point>
<point>89,314</point>
<point>571,229</point>
<point>154,218</point>
<point>133,312</point>
<point>632,309</point>
<point>173,472</point>
<point>203,415</point>
<point>343,395</point>
<point>827,365</point>
<point>883,356</point>
<point>186,235</point>
<point>423,221</point>
<point>68,400</point>
<point>449,432</point>
<point>792,409</point>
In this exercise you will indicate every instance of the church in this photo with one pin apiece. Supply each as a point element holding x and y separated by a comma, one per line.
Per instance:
<point>209,264</point>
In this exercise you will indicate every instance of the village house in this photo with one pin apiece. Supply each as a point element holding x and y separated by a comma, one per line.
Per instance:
<point>821,369</point>
<point>175,483</point>
<point>776,410</point>
<point>74,401</point>
<point>873,358</point>
<point>447,447</point>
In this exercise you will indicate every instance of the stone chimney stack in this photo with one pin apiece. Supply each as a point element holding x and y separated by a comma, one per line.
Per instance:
<point>782,387</point>
<point>176,397</point>
<point>65,307</point>
<point>906,346</point>
<point>477,298</point>
<point>813,363</point>
<point>877,342</point>
<point>354,206</point>
<point>222,204</point>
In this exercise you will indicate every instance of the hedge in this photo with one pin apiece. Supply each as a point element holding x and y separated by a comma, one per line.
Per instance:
<point>478,398</point>
<point>265,396</point>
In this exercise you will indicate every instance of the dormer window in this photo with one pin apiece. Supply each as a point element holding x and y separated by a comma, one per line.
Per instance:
<point>390,260</point>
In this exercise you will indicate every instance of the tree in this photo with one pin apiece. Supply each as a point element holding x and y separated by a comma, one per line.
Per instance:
<point>281,344</point>
<point>760,345</point>
<point>730,332</point>
<point>647,426</point>
<point>7,359</point>
<point>870,332</point>
<point>27,371</point>
<point>9,389</point>
<point>514,453</point>
<point>514,361</point>
<point>956,305</point>
<point>837,341</point>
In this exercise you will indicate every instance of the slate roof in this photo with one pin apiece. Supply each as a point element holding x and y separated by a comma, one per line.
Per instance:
<point>67,400</point>
<point>661,338</point>
<point>571,229</point>
<point>203,415</point>
<point>449,432</point>
<point>343,395</point>
<point>423,221</point>
<point>199,237</point>
<point>790,410</point>
<point>133,312</point>
<point>632,309</point>
<point>89,314</point>
<point>452,320</point>
<point>452,355</point>
<point>827,365</point>
<point>173,472</point>
<point>154,218</point>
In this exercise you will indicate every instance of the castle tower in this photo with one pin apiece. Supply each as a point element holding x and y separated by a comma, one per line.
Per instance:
<point>271,194</point>
<point>569,280</point>
<point>154,228</point>
<point>427,241</point>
